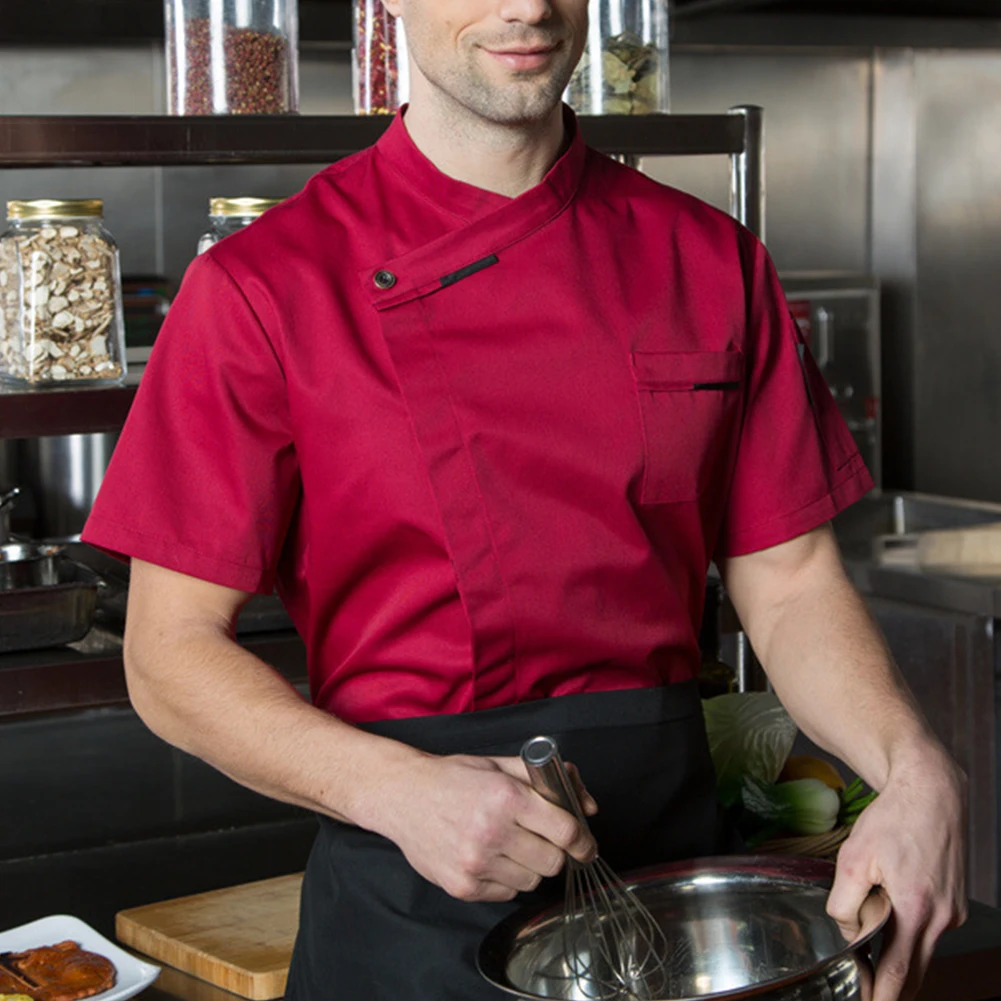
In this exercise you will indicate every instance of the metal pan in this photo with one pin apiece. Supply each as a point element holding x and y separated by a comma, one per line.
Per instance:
<point>28,564</point>
<point>6,504</point>
<point>738,927</point>
<point>35,617</point>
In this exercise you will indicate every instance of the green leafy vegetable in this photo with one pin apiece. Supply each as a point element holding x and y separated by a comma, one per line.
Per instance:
<point>750,734</point>
<point>854,800</point>
<point>803,806</point>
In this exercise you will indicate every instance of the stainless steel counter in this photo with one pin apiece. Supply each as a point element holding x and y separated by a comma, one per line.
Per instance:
<point>943,634</point>
<point>968,595</point>
<point>865,528</point>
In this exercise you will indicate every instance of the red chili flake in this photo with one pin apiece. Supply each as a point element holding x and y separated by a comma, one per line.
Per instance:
<point>256,72</point>
<point>377,70</point>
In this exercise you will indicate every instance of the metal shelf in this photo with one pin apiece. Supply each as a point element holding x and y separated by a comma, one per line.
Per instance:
<point>110,22</point>
<point>163,140</point>
<point>696,22</point>
<point>35,413</point>
<point>666,135</point>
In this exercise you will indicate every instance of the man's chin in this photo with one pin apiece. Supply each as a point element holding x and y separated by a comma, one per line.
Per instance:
<point>520,118</point>
<point>507,108</point>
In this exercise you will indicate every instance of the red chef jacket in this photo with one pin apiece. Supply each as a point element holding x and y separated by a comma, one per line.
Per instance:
<point>485,447</point>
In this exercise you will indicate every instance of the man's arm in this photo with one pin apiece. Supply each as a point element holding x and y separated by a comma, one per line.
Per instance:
<point>831,668</point>
<point>472,825</point>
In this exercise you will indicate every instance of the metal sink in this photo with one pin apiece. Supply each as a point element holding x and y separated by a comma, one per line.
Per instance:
<point>903,514</point>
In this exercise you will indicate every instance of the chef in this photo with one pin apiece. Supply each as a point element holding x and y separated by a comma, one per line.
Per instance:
<point>484,405</point>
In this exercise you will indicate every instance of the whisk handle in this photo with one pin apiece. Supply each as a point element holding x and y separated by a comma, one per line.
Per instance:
<point>549,777</point>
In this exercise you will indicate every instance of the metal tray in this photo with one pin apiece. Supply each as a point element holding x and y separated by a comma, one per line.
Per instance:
<point>263,613</point>
<point>35,617</point>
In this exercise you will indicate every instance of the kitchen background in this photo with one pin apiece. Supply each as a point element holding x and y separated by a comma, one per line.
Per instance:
<point>883,159</point>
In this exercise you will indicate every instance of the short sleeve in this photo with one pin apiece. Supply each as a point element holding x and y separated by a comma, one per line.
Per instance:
<point>797,465</point>
<point>204,478</point>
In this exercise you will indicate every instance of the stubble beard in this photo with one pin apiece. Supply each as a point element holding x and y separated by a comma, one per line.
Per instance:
<point>528,99</point>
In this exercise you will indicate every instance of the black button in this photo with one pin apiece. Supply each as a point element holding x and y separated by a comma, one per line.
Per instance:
<point>384,279</point>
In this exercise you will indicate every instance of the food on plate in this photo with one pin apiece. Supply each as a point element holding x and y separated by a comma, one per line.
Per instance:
<point>11,985</point>
<point>60,972</point>
<point>14,997</point>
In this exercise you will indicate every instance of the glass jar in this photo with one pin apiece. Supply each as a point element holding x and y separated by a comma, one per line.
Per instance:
<point>61,287</point>
<point>380,70</point>
<point>227,215</point>
<point>232,57</point>
<point>624,69</point>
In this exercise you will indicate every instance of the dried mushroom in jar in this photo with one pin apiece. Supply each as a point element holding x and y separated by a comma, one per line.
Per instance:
<point>629,78</point>
<point>60,319</point>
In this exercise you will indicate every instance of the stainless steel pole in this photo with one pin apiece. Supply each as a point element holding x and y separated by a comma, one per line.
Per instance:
<point>629,159</point>
<point>747,205</point>
<point>747,172</point>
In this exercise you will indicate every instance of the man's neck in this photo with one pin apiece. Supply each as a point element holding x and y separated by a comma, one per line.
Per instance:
<point>505,159</point>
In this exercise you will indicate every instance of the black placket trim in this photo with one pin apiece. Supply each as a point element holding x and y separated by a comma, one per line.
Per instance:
<point>716,385</point>
<point>469,269</point>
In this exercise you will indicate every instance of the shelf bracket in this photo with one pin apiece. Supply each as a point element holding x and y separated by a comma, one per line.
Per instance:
<point>747,172</point>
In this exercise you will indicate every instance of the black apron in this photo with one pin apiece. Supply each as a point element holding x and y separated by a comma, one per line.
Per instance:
<point>372,929</point>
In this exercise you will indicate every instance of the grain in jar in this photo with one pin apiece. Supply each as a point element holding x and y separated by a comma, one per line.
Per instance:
<point>60,295</point>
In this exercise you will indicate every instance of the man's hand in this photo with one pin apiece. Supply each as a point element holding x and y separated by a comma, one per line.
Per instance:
<point>475,827</point>
<point>833,671</point>
<point>472,825</point>
<point>909,840</point>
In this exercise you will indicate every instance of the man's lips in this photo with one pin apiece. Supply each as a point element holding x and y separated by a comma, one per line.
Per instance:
<point>524,58</point>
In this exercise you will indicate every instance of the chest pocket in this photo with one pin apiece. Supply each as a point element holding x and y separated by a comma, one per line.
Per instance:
<point>690,404</point>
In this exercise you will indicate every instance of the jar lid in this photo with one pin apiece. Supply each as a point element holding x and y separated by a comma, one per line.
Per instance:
<point>53,208</point>
<point>241,206</point>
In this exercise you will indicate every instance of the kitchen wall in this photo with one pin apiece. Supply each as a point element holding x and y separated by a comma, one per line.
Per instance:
<point>957,344</point>
<point>156,214</point>
<point>884,160</point>
<point>887,161</point>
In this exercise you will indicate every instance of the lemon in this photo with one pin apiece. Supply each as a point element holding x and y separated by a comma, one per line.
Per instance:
<point>805,766</point>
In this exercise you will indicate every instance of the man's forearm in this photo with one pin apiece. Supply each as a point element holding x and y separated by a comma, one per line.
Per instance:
<point>472,825</point>
<point>830,666</point>
<point>210,697</point>
<point>861,712</point>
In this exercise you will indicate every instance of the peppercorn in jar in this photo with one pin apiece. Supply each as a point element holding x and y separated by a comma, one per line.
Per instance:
<point>61,317</point>
<point>380,71</point>
<point>232,57</point>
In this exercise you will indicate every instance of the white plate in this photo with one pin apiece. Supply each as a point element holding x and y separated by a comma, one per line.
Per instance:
<point>133,974</point>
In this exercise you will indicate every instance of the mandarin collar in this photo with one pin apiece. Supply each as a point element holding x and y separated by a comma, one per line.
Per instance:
<point>467,201</point>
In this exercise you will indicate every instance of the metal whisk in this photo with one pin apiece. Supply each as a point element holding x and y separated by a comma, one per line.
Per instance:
<point>613,948</point>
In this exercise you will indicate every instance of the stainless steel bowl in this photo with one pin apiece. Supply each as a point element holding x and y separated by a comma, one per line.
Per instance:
<point>739,926</point>
<point>28,564</point>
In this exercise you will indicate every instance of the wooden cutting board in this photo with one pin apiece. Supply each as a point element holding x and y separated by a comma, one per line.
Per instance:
<point>239,938</point>
<point>967,552</point>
